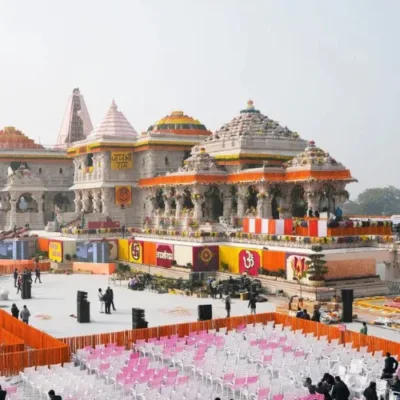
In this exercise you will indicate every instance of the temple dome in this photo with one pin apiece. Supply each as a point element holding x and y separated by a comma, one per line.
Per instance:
<point>114,124</point>
<point>179,123</point>
<point>314,156</point>
<point>11,138</point>
<point>250,122</point>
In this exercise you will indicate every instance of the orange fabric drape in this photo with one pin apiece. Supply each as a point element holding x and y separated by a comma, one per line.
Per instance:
<point>273,260</point>
<point>149,253</point>
<point>8,266</point>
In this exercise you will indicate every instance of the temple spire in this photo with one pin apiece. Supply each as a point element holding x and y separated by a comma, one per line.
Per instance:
<point>76,124</point>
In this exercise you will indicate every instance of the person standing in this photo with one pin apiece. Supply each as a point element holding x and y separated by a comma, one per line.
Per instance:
<point>391,365</point>
<point>252,305</point>
<point>37,273</point>
<point>25,314</point>
<point>123,229</point>
<point>112,297</point>
<point>3,394</point>
<point>15,274</point>
<point>370,392</point>
<point>228,306</point>
<point>340,390</point>
<point>364,329</point>
<point>14,311</point>
<point>101,300</point>
<point>19,283</point>
<point>107,301</point>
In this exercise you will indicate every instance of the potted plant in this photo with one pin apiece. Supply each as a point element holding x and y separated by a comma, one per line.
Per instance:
<point>225,266</point>
<point>317,268</point>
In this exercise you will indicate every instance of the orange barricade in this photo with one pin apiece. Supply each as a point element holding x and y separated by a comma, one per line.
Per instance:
<point>52,351</point>
<point>8,266</point>
<point>10,342</point>
<point>47,350</point>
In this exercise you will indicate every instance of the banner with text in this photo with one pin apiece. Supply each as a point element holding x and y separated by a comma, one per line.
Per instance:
<point>56,251</point>
<point>121,160</point>
<point>164,255</point>
<point>123,195</point>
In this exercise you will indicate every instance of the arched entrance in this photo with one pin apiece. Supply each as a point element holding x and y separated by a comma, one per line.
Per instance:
<point>299,206</point>
<point>213,206</point>
<point>26,203</point>
<point>62,202</point>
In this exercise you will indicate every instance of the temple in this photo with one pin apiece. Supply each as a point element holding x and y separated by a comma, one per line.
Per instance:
<point>252,186</point>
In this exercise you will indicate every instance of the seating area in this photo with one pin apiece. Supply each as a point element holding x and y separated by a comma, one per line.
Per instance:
<point>255,361</point>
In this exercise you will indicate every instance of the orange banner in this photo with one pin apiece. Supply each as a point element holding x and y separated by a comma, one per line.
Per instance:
<point>123,195</point>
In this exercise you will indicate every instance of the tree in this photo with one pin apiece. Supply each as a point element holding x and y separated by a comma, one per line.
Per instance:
<point>317,268</point>
<point>376,201</point>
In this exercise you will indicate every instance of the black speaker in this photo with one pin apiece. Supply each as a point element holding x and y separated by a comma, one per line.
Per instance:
<point>82,307</point>
<point>140,325</point>
<point>138,319</point>
<point>26,287</point>
<point>347,305</point>
<point>83,311</point>
<point>204,312</point>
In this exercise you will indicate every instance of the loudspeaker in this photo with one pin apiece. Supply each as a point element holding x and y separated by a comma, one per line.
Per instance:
<point>138,319</point>
<point>347,305</point>
<point>26,288</point>
<point>83,311</point>
<point>82,307</point>
<point>204,312</point>
<point>140,325</point>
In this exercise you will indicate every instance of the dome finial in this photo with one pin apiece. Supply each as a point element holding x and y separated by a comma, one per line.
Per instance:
<point>250,104</point>
<point>114,105</point>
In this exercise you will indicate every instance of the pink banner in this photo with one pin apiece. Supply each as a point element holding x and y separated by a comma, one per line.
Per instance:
<point>164,255</point>
<point>249,262</point>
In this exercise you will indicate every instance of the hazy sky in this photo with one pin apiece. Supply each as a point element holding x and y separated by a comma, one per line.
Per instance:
<point>326,69</point>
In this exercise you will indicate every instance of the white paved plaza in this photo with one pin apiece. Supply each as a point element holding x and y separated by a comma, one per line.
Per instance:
<point>54,301</point>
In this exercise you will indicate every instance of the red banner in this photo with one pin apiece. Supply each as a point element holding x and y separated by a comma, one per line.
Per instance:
<point>249,262</point>
<point>164,255</point>
<point>205,258</point>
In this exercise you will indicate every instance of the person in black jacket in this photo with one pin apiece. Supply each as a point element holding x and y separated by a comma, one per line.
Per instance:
<point>15,274</point>
<point>370,392</point>
<point>3,394</point>
<point>112,297</point>
<point>328,380</point>
<point>391,364</point>
<point>308,384</point>
<point>340,390</point>
<point>14,311</point>
<point>53,396</point>
<point>107,301</point>
<point>228,306</point>
<point>324,389</point>
<point>316,316</point>
<point>252,305</point>
<point>305,315</point>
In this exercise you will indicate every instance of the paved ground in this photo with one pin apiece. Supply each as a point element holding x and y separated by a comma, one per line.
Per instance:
<point>55,300</point>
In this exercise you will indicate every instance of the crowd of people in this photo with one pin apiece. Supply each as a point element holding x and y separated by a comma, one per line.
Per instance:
<point>106,300</point>
<point>19,278</point>
<point>303,314</point>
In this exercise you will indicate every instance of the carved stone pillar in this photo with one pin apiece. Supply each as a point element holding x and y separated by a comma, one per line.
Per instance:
<point>227,203</point>
<point>105,200</point>
<point>241,201</point>
<point>179,204</point>
<point>168,204</point>
<point>85,201</point>
<point>264,208</point>
<point>96,200</point>
<point>285,208</point>
<point>78,201</point>
<point>13,208</point>
<point>312,201</point>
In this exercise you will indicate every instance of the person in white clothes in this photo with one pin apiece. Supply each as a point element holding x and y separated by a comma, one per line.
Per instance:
<point>101,300</point>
